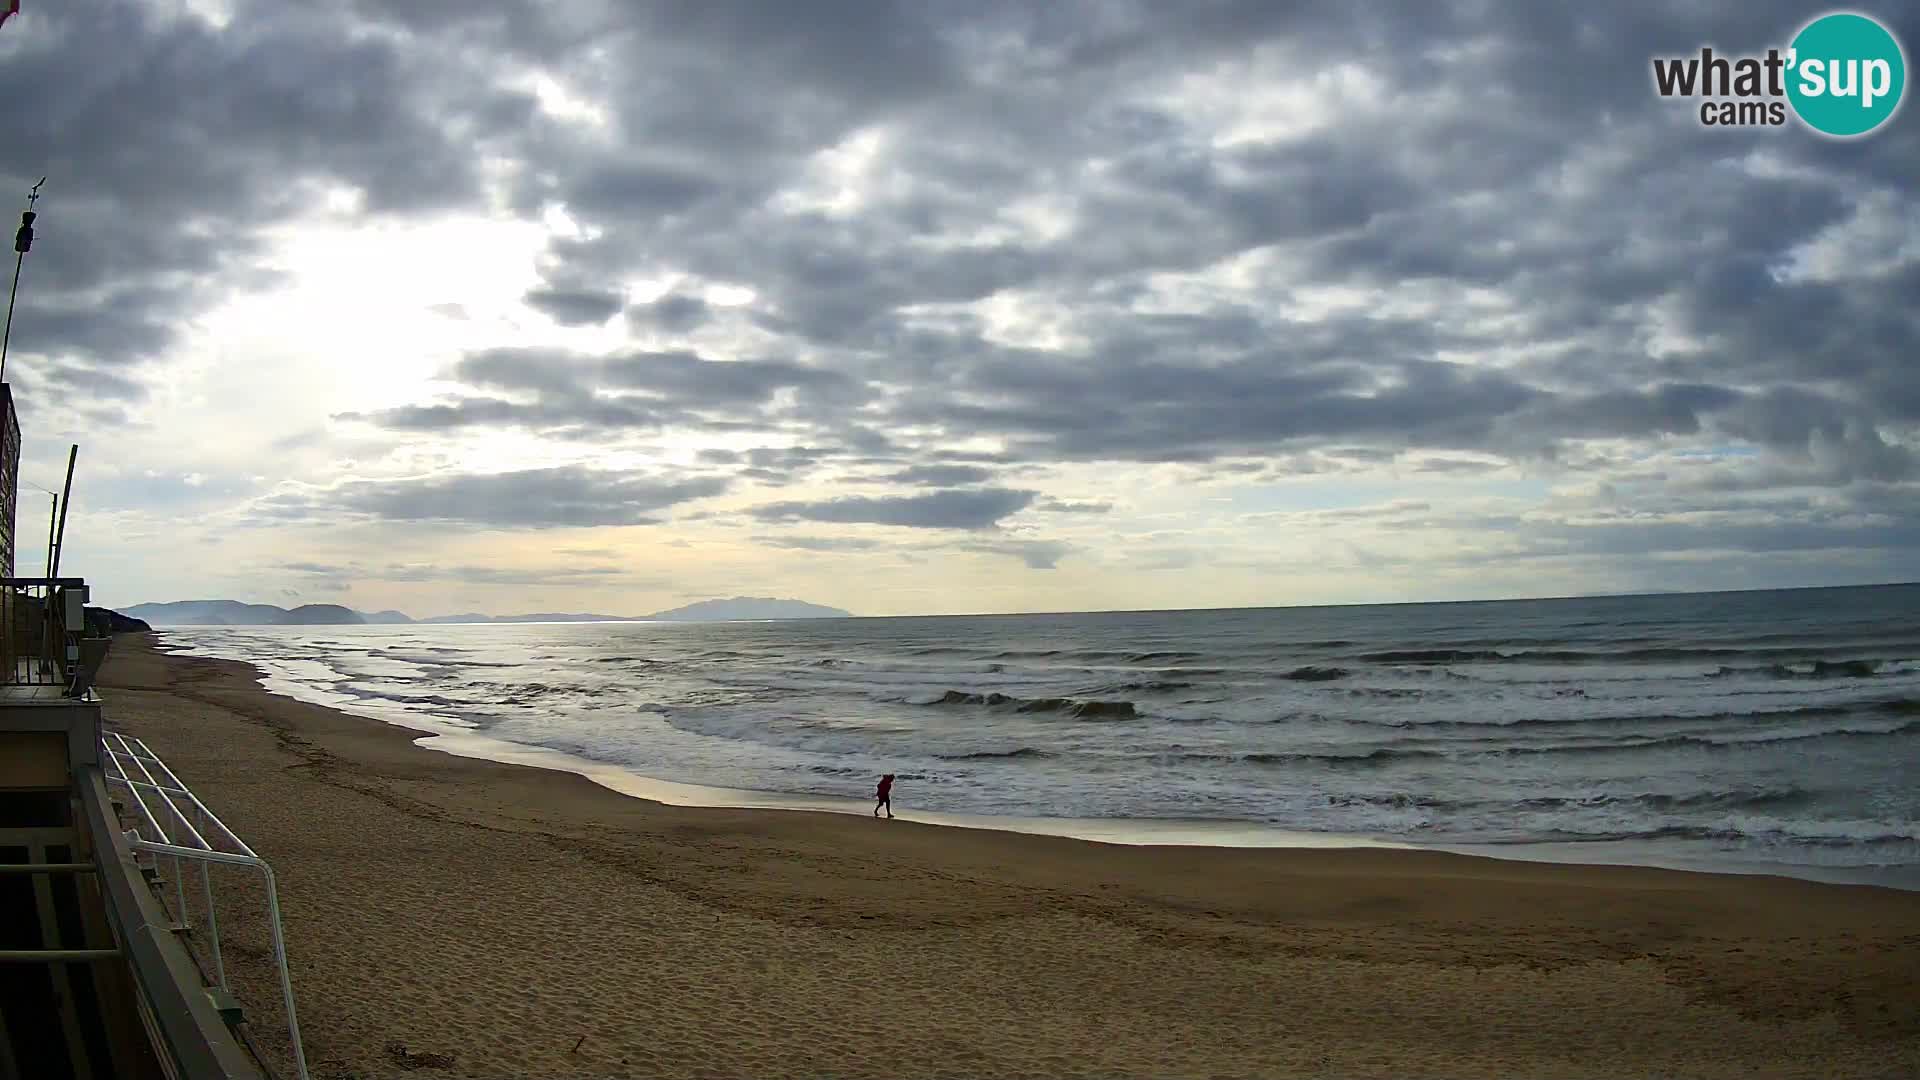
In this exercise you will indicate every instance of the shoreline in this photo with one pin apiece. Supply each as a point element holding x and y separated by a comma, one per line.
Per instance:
<point>532,923</point>
<point>448,738</point>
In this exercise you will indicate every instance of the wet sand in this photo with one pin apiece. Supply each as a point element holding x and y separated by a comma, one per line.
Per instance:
<point>450,916</point>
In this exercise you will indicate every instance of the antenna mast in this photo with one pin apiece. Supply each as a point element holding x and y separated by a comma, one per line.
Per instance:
<point>22,243</point>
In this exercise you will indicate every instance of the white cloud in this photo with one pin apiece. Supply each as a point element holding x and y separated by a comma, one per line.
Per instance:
<point>1027,306</point>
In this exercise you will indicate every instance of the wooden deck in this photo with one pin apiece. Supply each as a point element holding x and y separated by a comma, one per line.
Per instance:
<point>16,694</point>
<point>37,682</point>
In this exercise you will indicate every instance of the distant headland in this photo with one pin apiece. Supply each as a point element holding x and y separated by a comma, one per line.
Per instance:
<point>235,613</point>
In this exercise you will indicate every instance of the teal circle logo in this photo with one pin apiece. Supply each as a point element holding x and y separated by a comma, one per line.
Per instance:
<point>1846,75</point>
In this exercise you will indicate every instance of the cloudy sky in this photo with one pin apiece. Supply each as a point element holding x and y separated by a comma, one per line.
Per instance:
<point>454,305</point>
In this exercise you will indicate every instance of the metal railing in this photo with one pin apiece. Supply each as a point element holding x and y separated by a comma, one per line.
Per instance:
<point>165,829</point>
<point>42,622</point>
<point>187,1035</point>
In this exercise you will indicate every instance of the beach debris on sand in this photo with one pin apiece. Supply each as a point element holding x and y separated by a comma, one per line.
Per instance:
<point>409,1061</point>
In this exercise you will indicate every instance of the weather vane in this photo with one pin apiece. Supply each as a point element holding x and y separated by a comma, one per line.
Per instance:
<point>22,243</point>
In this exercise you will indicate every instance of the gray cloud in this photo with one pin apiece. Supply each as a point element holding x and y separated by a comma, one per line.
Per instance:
<point>575,306</point>
<point>941,475</point>
<point>339,576</point>
<point>1453,465</point>
<point>958,509</point>
<point>1037,554</point>
<point>674,313</point>
<point>533,498</point>
<point>322,569</point>
<point>1061,506</point>
<point>169,146</point>
<point>1157,411</point>
<point>69,381</point>
<point>818,543</point>
<point>1282,382</point>
<point>633,392</point>
<point>1466,236</point>
<point>505,575</point>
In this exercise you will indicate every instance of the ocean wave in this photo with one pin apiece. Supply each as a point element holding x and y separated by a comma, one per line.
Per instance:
<point>1355,756</point>
<point>435,701</point>
<point>1367,754</point>
<point>1172,656</point>
<point>1393,693</point>
<point>1711,741</point>
<point>1439,673</point>
<point>1893,706</point>
<point>1749,797</point>
<point>1076,708</point>
<point>1146,686</point>
<point>1816,669</point>
<point>1311,673</point>
<point>1463,652</point>
<point>1645,800</point>
<point>1765,831</point>
<point>407,657</point>
<point>998,755</point>
<point>1810,658</point>
<point>1431,656</point>
<point>1130,656</point>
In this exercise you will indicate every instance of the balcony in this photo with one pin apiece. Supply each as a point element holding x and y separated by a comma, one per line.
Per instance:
<point>47,650</point>
<point>96,975</point>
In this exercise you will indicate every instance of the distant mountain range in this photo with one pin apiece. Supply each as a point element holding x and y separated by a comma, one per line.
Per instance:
<point>235,613</point>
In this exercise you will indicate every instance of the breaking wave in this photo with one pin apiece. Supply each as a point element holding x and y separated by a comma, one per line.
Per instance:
<point>1081,710</point>
<point>1768,727</point>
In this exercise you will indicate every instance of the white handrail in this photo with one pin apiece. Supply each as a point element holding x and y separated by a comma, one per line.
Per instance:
<point>179,874</point>
<point>193,844</point>
<point>211,817</point>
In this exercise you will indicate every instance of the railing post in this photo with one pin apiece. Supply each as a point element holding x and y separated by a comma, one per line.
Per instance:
<point>286,980</point>
<point>194,845</point>
<point>213,928</point>
<point>180,893</point>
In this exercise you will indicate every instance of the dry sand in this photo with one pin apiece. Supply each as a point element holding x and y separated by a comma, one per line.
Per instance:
<point>445,909</point>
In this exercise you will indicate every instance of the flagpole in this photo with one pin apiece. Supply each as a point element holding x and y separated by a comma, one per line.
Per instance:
<point>22,243</point>
<point>66,500</point>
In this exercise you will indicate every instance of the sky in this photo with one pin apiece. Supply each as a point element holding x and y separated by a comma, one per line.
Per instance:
<point>476,305</point>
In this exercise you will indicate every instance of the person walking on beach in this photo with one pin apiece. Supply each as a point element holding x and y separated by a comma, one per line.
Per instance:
<point>883,796</point>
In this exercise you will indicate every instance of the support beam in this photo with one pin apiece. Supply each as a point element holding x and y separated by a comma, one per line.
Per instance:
<point>42,956</point>
<point>69,1004</point>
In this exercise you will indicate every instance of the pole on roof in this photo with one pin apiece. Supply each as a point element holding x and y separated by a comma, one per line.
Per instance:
<point>66,500</point>
<point>22,243</point>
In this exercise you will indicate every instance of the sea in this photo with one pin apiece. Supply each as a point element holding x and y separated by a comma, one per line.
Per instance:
<point>1774,732</point>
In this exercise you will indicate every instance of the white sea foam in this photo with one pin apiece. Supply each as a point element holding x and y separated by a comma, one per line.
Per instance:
<point>1783,728</point>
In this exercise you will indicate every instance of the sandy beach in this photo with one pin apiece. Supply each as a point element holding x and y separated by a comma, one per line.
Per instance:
<point>457,917</point>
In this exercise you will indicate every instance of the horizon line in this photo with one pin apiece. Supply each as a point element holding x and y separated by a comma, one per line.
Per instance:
<point>1091,611</point>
